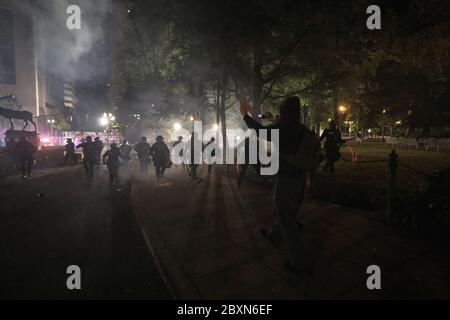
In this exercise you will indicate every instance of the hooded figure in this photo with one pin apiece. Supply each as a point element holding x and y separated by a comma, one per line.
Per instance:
<point>112,159</point>
<point>143,151</point>
<point>69,148</point>
<point>290,179</point>
<point>99,148</point>
<point>332,144</point>
<point>89,155</point>
<point>161,157</point>
<point>25,151</point>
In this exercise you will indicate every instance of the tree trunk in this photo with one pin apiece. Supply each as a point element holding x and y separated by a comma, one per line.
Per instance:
<point>257,84</point>
<point>218,103</point>
<point>317,126</point>
<point>222,115</point>
<point>336,108</point>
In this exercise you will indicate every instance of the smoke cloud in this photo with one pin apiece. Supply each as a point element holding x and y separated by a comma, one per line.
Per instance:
<point>78,54</point>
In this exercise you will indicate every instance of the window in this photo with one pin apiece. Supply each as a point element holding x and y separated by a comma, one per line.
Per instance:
<point>7,54</point>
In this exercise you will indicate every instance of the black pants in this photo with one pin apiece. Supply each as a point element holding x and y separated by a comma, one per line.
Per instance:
<point>288,199</point>
<point>329,165</point>
<point>26,165</point>
<point>113,170</point>
<point>159,171</point>
<point>89,166</point>
<point>194,171</point>
<point>144,164</point>
<point>70,155</point>
<point>99,156</point>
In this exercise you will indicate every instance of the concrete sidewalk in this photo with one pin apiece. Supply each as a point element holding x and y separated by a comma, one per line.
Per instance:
<point>206,239</point>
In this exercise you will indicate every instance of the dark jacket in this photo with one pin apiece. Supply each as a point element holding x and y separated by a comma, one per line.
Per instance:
<point>160,153</point>
<point>143,150</point>
<point>112,157</point>
<point>70,147</point>
<point>290,135</point>
<point>89,150</point>
<point>333,140</point>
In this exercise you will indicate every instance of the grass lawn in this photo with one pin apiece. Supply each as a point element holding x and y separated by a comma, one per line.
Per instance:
<point>377,174</point>
<point>364,185</point>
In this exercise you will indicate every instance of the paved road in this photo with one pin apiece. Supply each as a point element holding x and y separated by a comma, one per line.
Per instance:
<point>77,221</point>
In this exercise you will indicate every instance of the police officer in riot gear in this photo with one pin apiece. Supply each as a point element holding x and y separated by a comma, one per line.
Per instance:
<point>332,144</point>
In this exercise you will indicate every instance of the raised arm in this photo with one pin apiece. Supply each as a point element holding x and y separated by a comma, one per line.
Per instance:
<point>249,121</point>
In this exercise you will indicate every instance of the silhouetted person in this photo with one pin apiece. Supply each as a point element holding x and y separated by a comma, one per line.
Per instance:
<point>194,156</point>
<point>333,142</point>
<point>143,151</point>
<point>125,150</point>
<point>99,147</point>
<point>244,166</point>
<point>70,152</point>
<point>213,152</point>
<point>25,151</point>
<point>290,179</point>
<point>180,140</point>
<point>161,157</point>
<point>90,152</point>
<point>112,159</point>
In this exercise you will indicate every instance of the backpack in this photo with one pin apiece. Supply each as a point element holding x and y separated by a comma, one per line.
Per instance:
<point>308,156</point>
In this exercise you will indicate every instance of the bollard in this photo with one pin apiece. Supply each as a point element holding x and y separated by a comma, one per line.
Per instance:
<point>393,164</point>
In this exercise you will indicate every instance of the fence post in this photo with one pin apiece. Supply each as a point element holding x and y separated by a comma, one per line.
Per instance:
<point>393,164</point>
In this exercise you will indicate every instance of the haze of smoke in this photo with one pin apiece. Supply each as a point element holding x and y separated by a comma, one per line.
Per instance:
<point>63,49</point>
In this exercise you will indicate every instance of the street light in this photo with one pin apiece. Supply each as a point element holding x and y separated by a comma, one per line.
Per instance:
<point>103,121</point>
<point>342,109</point>
<point>192,118</point>
<point>106,120</point>
<point>177,126</point>
<point>215,127</point>
<point>51,122</point>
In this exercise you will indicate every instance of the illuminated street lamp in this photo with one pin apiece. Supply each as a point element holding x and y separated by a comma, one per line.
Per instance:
<point>215,127</point>
<point>177,126</point>
<point>342,109</point>
<point>51,122</point>
<point>103,121</point>
<point>106,120</point>
<point>192,118</point>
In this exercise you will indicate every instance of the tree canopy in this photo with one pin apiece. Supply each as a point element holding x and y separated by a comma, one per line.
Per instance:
<point>179,59</point>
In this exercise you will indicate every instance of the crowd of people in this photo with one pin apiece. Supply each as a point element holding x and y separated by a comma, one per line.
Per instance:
<point>117,156</point>
<point>299,156</point>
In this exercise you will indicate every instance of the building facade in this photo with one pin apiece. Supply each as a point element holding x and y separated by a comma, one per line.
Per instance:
<point>23,72</point>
